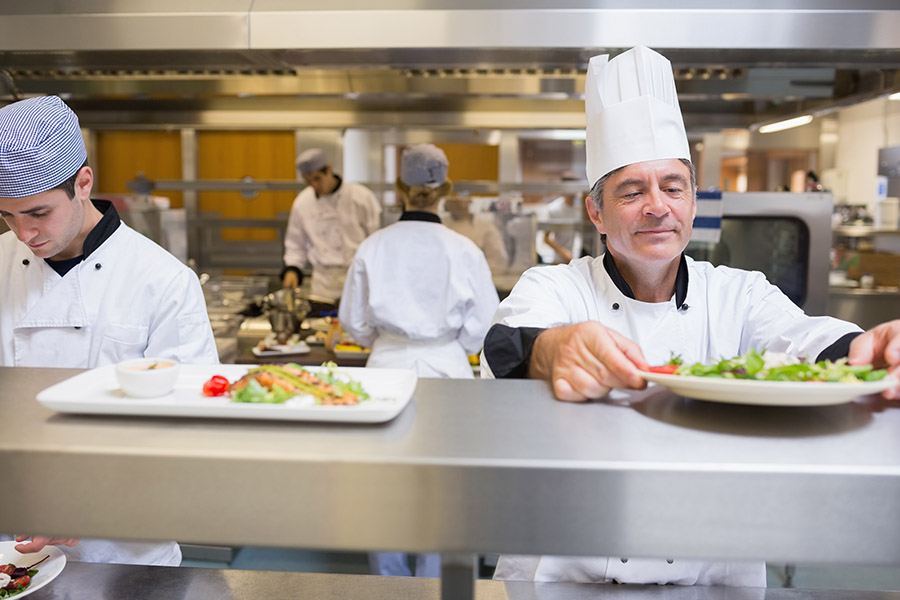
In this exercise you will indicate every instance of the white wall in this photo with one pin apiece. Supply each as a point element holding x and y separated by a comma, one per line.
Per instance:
<point>862,130</point>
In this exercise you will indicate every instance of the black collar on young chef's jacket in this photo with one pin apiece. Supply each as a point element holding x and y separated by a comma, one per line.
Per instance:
<point>104,228</point>
<point>419,215</point>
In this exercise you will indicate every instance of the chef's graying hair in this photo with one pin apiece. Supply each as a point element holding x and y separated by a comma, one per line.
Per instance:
<point>596,194</point>
<point>422,196</point>
<point>68,186</point>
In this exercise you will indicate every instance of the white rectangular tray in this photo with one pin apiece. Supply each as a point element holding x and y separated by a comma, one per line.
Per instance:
<point>97,392</point>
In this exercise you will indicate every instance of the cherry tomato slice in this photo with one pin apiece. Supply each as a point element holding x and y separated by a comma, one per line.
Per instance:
<point>216,386</point>
<point>664,369</point>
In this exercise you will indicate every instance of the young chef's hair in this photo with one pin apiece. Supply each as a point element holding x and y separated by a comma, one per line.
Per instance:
<point>68,186</point>
<point>423,196</point>
<point>596,194</point>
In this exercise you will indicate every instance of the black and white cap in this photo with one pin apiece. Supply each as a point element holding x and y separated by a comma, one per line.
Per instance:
<point>40,146</point>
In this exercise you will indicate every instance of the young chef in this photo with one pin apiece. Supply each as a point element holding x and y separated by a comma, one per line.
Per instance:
<point>421,296</point>
<point>590,325</point>
<point>328,220</point>
<point>484,233</point>
<point>80,288</point>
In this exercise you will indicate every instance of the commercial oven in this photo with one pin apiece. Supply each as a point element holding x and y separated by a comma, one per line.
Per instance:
<point>786,236</point>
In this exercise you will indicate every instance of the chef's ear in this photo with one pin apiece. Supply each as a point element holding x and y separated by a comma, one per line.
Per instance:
<point>84,181</point>
<point>595,215</point>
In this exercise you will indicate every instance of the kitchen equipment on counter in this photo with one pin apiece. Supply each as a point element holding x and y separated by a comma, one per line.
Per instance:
<point>286,310</point>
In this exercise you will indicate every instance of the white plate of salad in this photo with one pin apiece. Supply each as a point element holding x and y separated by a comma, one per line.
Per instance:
<point>40,568</point>
<point>771,379</point>
<point>326,393</point>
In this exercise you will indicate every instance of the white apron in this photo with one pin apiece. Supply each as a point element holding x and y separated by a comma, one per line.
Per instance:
<point>431,358</point>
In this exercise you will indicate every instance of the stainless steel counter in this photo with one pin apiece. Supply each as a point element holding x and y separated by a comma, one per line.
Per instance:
<point>82,581</point>
<point>472,466</point>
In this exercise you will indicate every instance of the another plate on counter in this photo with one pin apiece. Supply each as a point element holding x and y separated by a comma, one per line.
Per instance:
<point>47,571</point>
<point>270,347</point>
<point>97,392</point>
<point>768,393</point>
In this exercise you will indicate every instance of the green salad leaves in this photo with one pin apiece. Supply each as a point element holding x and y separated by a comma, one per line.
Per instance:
<point>780,367</point>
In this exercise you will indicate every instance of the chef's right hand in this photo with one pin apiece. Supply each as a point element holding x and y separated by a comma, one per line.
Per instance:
<point>290,280</point>
<point>586,360</point>
<point>38,542</point>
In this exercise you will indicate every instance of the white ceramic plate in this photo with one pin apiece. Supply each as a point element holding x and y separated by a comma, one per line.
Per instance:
<point>770,393</point>
<point>46,571</point>
<point>97,392</point>
<point>279,349</point>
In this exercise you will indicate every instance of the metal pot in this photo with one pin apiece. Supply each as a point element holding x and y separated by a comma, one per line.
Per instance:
<point>286,310</point>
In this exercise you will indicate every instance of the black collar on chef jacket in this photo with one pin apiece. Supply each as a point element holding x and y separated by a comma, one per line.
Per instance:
<point>420,215</point>
<point>681,279</point>
<point>104,228</point>
<point>336,188</point>
<point>508,349</point>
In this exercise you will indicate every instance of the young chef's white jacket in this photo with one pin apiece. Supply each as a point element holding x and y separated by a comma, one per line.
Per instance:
<point>725,312</point>
<point>421,296</point>
<point>128,299</point>
<point>326,231</point>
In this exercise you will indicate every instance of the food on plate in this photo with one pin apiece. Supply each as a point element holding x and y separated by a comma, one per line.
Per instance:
<point>774,366</point>
<point>350,348</point>
<point>216,386</point>
<point>276,384</point>
<point>15,580</point>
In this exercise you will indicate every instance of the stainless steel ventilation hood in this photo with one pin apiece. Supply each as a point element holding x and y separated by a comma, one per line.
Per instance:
<point>429,63</point>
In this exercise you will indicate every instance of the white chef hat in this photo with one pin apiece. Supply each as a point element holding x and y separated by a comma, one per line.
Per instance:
<point>40,146</point>
<point>423,164</point>
<point>312,160</point>
<point>632,112</point>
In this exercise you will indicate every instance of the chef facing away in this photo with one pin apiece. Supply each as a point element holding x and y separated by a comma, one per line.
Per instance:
<point>590,325</point>
<point>421,295</point>
<point>81,289</point>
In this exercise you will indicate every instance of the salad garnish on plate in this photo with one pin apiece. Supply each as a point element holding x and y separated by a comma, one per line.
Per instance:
<point>774,366</point>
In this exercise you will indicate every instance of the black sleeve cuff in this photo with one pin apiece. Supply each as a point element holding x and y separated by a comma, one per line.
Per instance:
<point>508,350</point>
<point>839,349</point>
<point>299,273</point>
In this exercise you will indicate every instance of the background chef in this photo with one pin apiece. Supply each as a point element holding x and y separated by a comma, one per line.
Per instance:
<point>590,325</point>
<point>80,288</point>
<point>328,220</point>
<point>421,296</point>
<point>483,232</point>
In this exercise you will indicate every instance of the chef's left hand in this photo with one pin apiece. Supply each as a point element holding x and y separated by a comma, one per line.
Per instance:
<point>37,543</point>
<point>879,346</point>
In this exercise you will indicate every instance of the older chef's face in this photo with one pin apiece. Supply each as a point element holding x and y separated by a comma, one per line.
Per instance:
<point>50,223</point>
<point>648,211</point>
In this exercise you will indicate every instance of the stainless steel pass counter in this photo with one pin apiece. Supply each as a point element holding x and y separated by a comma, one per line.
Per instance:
<point>82,581</point>
<point>468,467</point>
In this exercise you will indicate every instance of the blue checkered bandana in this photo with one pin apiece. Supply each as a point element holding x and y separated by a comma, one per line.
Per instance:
<point>40,146</point>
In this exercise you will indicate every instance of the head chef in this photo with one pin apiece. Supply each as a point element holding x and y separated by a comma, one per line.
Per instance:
<point>597,323</point>
<point>644,299</point>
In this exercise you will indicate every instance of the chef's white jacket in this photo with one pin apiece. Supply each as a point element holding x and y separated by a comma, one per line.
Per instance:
<point>421,296</point>
<point>326,231</point>
<point>725,312</point>
<point>128,299</point>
